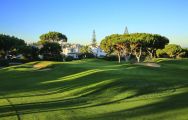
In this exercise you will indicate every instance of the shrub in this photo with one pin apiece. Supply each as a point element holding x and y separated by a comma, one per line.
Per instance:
<point>111,58</point>
<point>185,52</point>
<point>181,55</point>
<point>53,57</point>
<point>4,63</point>
<point>22,60</point>
<point>173,50</point>
<point>86,55</point>
<point>161,53</point>
<point>69,58</point>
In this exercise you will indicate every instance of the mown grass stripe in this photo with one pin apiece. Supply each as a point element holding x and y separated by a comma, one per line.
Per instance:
<point>14,108</point>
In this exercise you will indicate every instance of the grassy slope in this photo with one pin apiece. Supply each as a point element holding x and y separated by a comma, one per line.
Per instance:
<point>95,90</point>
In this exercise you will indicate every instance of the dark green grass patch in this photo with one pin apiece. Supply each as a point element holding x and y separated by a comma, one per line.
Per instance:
<point>94,89</point>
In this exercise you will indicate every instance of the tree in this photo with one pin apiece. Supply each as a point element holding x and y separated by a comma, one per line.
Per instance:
<point>107,43</point>
<point>53,37</point>
<point>161,53</point>
<point>9,43</point>
<point>150,42</point>
<point>119,48</point>
<point>29,52</point>
<point>138,50</point>
<point>94,41</point>
<point>186,52</point>
<point>154,42</point>
<point>122,45</point>
<point>173,50</point>
<point>86,51</point>
<point>133,44</point>
<point>126,51</point>
<point>113,44</point>
<point>51,50</point>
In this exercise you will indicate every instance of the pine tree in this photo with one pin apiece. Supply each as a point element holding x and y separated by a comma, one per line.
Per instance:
<point>94,41</point>
<point>126,30</point>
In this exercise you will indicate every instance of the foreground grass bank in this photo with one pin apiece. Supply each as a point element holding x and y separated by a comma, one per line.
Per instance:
<point>95,90</point>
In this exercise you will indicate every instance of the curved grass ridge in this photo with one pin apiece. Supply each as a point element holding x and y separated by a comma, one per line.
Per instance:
<point>96,90</point>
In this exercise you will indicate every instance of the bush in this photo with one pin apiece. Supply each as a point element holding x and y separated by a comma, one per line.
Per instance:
<point>184,53</point>
<point>21,60</point>
<point>90,55</point>
<point>4,63</point>
<point>147,58</point>
<point>86,55</point>
<point>132,58</point>
<point>58,57</point>
<point>181,55</point>
<point>161,53</point>
<point>173,50</point>
<point>54,57</point>
<point>111,58</point>
<point>69,58</point>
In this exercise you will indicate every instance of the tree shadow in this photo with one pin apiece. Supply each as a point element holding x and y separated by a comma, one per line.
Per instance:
<point>170,103</point>
<point>121,80</point>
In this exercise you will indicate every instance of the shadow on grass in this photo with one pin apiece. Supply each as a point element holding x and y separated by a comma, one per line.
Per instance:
<point>138,78</point>
<point>171,103</point>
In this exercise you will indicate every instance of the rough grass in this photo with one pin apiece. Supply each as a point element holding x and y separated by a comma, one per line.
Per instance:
<point>95,90</point>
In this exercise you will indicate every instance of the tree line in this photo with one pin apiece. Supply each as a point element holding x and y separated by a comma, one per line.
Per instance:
<point>10,45</point>
<point>126,46</point>
<point>137,45</point>
<point>47,46</point>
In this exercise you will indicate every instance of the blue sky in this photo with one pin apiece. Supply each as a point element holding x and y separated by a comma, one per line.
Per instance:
<point>28,19</point>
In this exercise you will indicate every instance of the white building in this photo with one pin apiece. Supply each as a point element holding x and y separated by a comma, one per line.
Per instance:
<point>98,52</point>
<point>70,49</point>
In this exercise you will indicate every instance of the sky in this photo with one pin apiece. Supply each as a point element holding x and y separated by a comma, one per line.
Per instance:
<point>28,19</point>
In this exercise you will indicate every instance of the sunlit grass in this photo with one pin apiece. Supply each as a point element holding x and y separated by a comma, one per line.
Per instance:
<point>94,89</point>
<point>42,65</point>
<point>75,76</point>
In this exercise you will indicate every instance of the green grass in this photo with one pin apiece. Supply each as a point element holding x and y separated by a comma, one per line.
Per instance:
<point>95,90</point>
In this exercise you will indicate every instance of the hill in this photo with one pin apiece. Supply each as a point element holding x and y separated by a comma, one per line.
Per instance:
<point>95,90</point>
